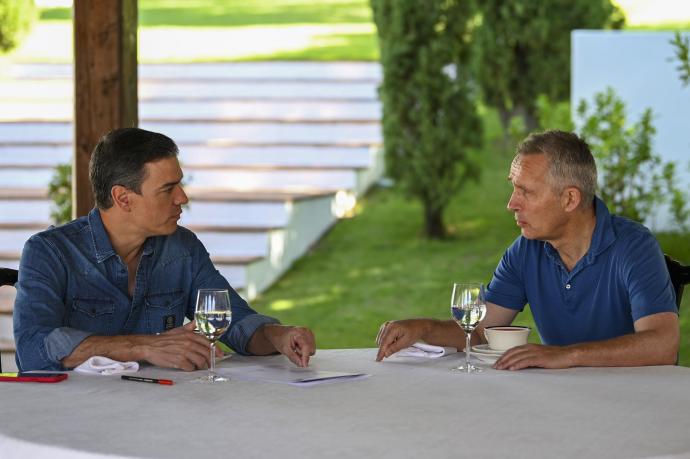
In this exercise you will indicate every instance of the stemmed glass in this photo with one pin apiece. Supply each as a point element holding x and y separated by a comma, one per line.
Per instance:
<point>468,308</point>
<point>213,318</point>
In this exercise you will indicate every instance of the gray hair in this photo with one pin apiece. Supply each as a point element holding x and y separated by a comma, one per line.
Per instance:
<point>570,161</point>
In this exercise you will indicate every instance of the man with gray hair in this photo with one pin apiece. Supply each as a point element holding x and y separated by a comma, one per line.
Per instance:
<point>120,281</point>
<point>597,284</point>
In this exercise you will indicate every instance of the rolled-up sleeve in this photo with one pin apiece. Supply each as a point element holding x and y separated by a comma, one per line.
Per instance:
<point>41,338</point>
<point>245,321</point>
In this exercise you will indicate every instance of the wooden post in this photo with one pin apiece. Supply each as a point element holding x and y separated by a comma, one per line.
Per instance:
<point>105,82</point>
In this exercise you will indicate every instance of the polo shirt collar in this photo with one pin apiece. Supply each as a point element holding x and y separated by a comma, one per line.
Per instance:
<point>102,247</point>
<point>602,237</point>
<point>604,234</point>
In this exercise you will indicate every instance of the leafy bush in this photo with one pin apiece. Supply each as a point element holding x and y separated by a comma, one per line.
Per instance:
<point>16,17</point>
<point>430,119</point>
<point>633,178</point>
<point>681,46</point>
<point>60,191</point>
<point>524,50</point>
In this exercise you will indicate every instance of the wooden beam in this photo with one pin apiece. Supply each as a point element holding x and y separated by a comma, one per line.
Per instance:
<point>105,82</point>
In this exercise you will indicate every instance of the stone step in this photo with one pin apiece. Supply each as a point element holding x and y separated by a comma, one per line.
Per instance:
<point>218,134</point>
<point>264,147</point>
<point>7,350</point>
<point>226,244</point>
<point>258,212</point>
<point>263,233</point>
<point>6,345</point>
<point>285,179</point>
<point>63,89</point>
<point>25,212</point>
<point>42,155</point>
<point>7,295</point>
<point>210,112</point>
<point>263,71</point>
<point>6,334</point>
<point>201,195</point>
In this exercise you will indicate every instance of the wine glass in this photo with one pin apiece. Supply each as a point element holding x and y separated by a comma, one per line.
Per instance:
<point>468,308</point>
<point>213,318</point>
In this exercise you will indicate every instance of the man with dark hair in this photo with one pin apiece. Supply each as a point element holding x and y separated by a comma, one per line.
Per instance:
<point>597,284</point>
<point>120,281</point>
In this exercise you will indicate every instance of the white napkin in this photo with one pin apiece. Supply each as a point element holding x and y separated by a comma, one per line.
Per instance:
<point>425,350</point>
<point>105,366</point>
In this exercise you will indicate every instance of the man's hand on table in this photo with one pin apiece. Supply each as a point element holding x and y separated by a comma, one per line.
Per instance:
<point>179,348</point>
<point>295,343</point>
<point>534,355</point>
<point>396,335</point>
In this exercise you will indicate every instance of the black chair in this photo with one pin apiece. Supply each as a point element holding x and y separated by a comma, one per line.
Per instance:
<point>8,276</point>
<point>680,275</point>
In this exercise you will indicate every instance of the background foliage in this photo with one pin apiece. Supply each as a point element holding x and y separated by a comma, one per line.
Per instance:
<point>429,103</point>
<point>16,17</point>
<point>633,179</point>
<point>524,50</point>
<point>60,192</point>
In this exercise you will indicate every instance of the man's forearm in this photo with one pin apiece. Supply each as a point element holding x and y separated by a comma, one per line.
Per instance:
<point>445,333</point>
<point>122,348</point>
<point>259,343</point>
<point>650,347</point>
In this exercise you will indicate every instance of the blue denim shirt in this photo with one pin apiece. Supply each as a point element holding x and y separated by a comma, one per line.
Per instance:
<point>621,278</point>
<point>72,285</point>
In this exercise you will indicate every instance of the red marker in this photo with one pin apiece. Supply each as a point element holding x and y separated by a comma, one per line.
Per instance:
<point>165,382</point>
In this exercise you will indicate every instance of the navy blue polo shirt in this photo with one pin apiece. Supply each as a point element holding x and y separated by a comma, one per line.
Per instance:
<point>622,278</point>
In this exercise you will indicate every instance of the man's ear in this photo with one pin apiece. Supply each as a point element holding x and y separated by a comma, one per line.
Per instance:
<point>120,196</point>
<point>571,198</point>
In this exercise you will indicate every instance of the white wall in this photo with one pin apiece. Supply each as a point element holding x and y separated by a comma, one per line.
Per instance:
<point>641,67</point>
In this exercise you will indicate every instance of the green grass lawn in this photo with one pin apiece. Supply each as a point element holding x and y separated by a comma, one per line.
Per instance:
<point>226,30</point>
<point>377,266</point>
<point>244,30</point>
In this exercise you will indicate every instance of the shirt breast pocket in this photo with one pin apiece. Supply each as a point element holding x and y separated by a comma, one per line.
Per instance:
<point>93,315</point>
<point>164,310</point>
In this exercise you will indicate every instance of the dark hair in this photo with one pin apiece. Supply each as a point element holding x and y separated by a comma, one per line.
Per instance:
<point>120,157</point>
<point>570,161</point>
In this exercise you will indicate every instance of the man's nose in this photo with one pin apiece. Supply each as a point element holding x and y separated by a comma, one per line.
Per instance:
<point>181,197</point>
<point>512,202</point>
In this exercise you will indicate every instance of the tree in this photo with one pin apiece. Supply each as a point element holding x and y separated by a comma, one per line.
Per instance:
<point>16,17</point>
<point>430,120</point>
<point>633,179</point>
<point>524,50</point>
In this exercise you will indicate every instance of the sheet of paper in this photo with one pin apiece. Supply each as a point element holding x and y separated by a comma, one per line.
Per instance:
<point>284,374</point>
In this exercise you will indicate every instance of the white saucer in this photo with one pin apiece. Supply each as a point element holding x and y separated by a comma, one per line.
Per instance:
<point>486,358</point>
<point>485,349</point>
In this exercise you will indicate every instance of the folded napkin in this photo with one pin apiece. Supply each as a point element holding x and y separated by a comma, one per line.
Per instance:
<point>425,350</point>
<point>105,366</point>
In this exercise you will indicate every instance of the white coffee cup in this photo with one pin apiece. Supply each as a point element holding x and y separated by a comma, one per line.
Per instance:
<point>503,338</point>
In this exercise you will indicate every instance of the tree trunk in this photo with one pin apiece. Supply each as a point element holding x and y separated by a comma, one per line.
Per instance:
<point>505,116</point>
<point>433,222</point>
<point>528,116</point>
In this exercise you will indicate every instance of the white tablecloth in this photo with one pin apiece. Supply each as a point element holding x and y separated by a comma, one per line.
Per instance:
<point>408,408</point>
